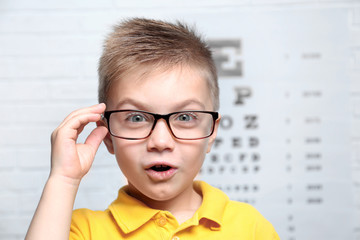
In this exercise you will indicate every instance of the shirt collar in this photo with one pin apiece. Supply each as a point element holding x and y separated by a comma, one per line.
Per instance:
<point>130,213</point>
<point>213,204</point>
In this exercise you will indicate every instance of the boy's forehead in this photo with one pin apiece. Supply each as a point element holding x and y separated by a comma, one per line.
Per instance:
<point>149,71</point>
<point>149,74</point>
<point>138,104</point>
<point>179,85</point>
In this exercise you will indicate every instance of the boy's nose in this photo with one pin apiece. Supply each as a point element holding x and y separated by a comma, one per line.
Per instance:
<point>161,137</point>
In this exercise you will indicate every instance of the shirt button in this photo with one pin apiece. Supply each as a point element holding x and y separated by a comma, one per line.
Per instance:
<point>176,238</point>
<point>162,221</point>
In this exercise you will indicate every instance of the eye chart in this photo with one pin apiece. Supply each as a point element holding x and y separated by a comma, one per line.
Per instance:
<point>284,142</point>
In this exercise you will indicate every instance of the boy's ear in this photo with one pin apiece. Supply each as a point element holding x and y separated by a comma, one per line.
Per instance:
<point>213,136</point>
<point>107,140</point>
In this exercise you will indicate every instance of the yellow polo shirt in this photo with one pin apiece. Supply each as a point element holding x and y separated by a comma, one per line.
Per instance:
<point>217,218</point>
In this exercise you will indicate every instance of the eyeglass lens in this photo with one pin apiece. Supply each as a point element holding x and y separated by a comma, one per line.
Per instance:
<point>184,125</point>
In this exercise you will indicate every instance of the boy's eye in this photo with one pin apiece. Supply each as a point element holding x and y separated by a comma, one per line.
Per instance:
<point>185,117</point>
<point>136,117</point>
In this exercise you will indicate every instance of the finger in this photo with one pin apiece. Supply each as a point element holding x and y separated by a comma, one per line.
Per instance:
<point>87,151</point>
<point>95,137</point>
<point>97,109</point>
<point>73,127</point>
<point>81,128</point>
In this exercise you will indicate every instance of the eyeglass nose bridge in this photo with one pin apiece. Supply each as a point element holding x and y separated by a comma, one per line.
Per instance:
<point>166,117</point>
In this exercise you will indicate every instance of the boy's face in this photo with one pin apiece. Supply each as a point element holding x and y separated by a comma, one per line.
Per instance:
<point>160,92</point>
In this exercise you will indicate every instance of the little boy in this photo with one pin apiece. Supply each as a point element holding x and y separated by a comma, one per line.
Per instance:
<point>159,84</point>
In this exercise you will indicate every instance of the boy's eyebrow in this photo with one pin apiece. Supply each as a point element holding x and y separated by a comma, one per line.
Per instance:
<point>189,102</point>
<point>133,102</point>
<point>144,106</point>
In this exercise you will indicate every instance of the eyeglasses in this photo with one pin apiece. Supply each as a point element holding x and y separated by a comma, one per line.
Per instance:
<point>136,124</point>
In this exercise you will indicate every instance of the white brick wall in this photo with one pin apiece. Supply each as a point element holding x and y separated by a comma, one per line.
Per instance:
<point>48,62</point>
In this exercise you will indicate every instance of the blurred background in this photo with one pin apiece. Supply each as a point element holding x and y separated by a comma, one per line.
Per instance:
<point>289,73</point>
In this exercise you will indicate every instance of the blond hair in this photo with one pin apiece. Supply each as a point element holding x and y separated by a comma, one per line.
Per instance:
<point>137,43</point>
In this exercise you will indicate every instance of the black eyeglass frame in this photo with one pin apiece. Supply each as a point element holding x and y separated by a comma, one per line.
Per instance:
<point>166,117</point>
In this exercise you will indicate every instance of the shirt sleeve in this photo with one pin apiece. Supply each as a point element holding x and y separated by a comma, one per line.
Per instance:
<point>264,230</point>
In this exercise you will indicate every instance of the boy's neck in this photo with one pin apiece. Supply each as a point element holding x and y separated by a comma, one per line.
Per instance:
<point>183,206</point>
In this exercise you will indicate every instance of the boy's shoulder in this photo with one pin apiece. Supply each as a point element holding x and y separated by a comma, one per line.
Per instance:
<point>86,223</point>
<point>242,209</point>
<point>215,199</point>
<point>245,216</point>
<point>87,216</point>
<point>243,213</point>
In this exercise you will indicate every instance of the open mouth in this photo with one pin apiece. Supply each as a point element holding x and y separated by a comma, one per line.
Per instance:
<point>161,171</point>
<point>160,168</point>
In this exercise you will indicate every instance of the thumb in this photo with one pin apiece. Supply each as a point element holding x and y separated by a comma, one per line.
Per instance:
<point>95,138</point>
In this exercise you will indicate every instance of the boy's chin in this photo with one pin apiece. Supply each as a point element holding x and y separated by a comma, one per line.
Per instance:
<point>161,193</point>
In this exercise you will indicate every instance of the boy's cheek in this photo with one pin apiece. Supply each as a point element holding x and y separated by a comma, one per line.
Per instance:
<point>213,136</point>
<point>210,143</point>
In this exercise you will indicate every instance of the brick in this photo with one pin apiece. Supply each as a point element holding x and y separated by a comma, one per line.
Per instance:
<point>114,180</point>
<point>89,68</point>
<point>55,90</point>
<point>22,90</point>
<point>355,83</point>
<point>22,135</point>
<point>75,90</point>
<point>176,4</point>
<point>287,2</point>
<point>101,24</point>
<point>104,159</point>
<point>106,191</point>
<point>26,114</point>
<point>28,201</point>
<point>34,158</point>
<point>40,67</point>
<point>355,128</point>
<point>95,200</point>
<point>12,236</point>
<point>97,178</point>
<point>55,5</point>
<point>355,16</point>
<point>356,108</point>
<point>355,38</point>
<point>15,225</point>
<point>23,181</point>
<point>22,122</point>
<point>7,158</point>
<point>34,23</point>
<point>355,58</point>
<point>8,203</point>
<point>48,45</point>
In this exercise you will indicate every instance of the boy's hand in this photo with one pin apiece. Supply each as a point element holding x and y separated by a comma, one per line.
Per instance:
<point>70,159</point>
